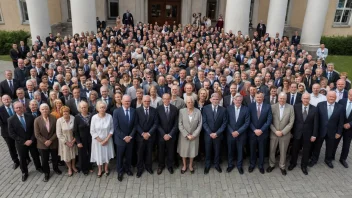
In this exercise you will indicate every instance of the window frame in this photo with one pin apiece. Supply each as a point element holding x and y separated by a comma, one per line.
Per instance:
<point>21,11</point>
<point>342,9</point>
<point>2,21</point>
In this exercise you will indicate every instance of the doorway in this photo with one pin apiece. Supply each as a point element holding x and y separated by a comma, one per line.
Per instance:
<point>160,11</point>
<point>113,9</point>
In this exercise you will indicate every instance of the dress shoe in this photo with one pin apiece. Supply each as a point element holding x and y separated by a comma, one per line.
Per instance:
<point>283,171</point>
<point>171,170</point>
<point>15,166</point>
<point>58,171</point>
<point>329,164</point>
<point>46,177</point>
<point>61,163</point>
<point>250,169</point>
<point>311,163</point>
<point>139,174</point>
<point>129,173</point>
<point>159,171</point>
<point>218,168</point>
<point>291,167</point>
<point>183,171</point>
<point>261,170</point>
<point>344,163</point>
<point>24,177</point>
<point>206,170</point>
<point>229,169</point>
<point>149,170</point>
<point>240,170</point>
<point>40,170</point>
<point>192,171</point>
<point>119,177</point>
<point>304,170</point>
<point>269,169</point>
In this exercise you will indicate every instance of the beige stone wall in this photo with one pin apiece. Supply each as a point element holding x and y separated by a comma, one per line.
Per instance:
<point>55,11</point>
<point>298,10</point>
<point>263,10</point>
<point>101,9</point>
<point>329,30</point>
<point>11,15</point>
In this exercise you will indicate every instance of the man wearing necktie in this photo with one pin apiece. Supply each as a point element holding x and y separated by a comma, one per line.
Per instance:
<point>214,120</point>
<point>293,97</point>
<point>21,98</point>
<point>340,90</point>
<point>347,129</point>
<point>21,129</point>
<point>9,85</point>
<point>331,120</point>
<point>73,103</point>
<point>104,91</point>
<point>330,74</point>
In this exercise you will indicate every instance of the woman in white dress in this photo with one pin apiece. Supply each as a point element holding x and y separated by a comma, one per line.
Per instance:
<point>101,129</point>
<point>67,147</point>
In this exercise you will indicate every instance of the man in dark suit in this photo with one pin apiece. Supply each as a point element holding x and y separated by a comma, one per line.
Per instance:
<point>44,92</point>
<point>66,95</point>
<point>73,103</point>
<point>330,74</point>
<point>162,88</point>
<point>305,132</point>
<point>249,99</point>
<point>104,91</point>
<point>261,29</point>
<point>278,81</point>
<point>347,130</point>
<point>127,18</point>
<point>146,126</point>
<point>260,87</point>
<point>214,124</point>
<point>21,98</point>
<point>21,73</point>
<point>9,85</point>
<point>228,100</point>
<point>296,39</point>
<point>167,130</point>
<point>340,90</point>
<point>225,89</point>
<point>261,117</point>
<point>21,129</point>
<point>293,97</point>
<point>33,109</point>
<point>6,111</point>
<point>238,123</point>
<point>272,98</point>
<point>331,120</point>
<point>308,80</point>
<point>23,49</point>
<point>124,119</point>
<point>14,54</point>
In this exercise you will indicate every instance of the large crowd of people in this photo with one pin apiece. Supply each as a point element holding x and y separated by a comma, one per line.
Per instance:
<point>142,93</point>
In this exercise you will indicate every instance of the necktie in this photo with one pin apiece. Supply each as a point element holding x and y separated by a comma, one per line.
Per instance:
<point>329,74</point>
<point>11,85</point>
<point>258,112</point>
<point>9,111</point>
<point>305,114</point>
<point>23,123</point>
<point>167,112</point>
<point>236,113</point>
<point>329,111</point>
<point>147,114</point>
<point>281,112</point>
<point>127,116</point>
<point>348,111</point>
<point>76,103</point>
<point>34,114</point>
<point>22,101</point>
<point>106,101</point>
<point>272,100</point>
<point>214,112</point>
<point>292,99</point>
<point>30,95</point>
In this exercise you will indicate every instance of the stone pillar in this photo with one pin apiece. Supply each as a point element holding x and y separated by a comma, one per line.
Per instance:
<point>39,20</point>
<point>237,16</point>
<point>276,17</point>
<point>313,24</point>
<point>186,12</point>
<point>83,16</point>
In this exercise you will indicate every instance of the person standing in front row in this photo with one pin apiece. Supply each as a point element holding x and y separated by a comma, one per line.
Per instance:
<point>283,119</point>
<point>21,129</point>
<point>214,123</point>
<point>238,122</point>
<point>147,125</point>
<point>190,125</point>
<point>331,117</point>
<point>261,118</point>
<point>101,129</point>
<point>305,132</point>
<point>124,129</point>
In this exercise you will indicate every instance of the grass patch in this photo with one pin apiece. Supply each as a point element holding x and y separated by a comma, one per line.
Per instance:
<point>5,57</point>
<point>342,63</point>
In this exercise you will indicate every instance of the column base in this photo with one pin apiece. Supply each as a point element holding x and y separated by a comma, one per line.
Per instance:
<point>311,49</point>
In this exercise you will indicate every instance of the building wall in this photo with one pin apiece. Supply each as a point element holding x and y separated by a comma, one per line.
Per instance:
<point>11,15</point>
<point>55,11</point>
<point>263,11</point>
<point>329,28</point>
<point>298,10</point>
<point>101,9</point>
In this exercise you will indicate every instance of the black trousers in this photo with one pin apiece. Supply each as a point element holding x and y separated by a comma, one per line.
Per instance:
<point>346,143</point>
<point>234,144</point>
<point>255,143</point>
<point>166,148</point>
<point>329,144</point>
<point>15,64</point>
<point>45,153</point>
<point>124,157</point>
<point>23,153</point>
<point>11,145</point>
<point>144,154</point>
<point>84,155</point>
<point>297,144</point>
<point>210,145</point>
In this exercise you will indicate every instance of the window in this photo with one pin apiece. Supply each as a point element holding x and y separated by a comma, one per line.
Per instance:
<point>1,17</point>
<point>113,9</point>
<point>211,9</point>
<point>343,12</point>
<point>24,11</point>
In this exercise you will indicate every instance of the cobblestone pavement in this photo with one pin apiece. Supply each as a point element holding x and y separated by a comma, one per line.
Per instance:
<point>321,181</point>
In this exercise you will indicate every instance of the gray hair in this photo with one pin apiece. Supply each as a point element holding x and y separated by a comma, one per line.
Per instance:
<point>238,95</point>
<point>283,94</point>
<point>79,105</point>
<point>44,105</point>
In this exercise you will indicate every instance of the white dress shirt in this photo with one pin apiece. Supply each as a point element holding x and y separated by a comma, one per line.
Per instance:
<point>314,100</point>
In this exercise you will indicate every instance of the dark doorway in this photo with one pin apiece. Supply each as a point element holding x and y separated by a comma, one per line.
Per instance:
<point>160,11</point>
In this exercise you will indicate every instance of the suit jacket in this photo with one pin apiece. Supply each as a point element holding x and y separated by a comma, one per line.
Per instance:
<point>20,76</point>
<point>344,95</point>
<point>278,82</point>
<point>227,101</point>
<point>23,52</point>
<point>333,77</point>
<point>163,89</point>
<point>264,121</point>
<point>295,41</point>
<point>43,97</point>
<point>63,100</point>
<point>242,123</point>
<point>286,123</point>
<point>72,105</point>
<point>264,89</point>
<point>18,133</point>
<point>308,83</point>
<point>5,88</point>
<point>247,100</point>
<point>14,55</point>
<point>297,100</point>
<point>42,134</point>
<point>26,102</point>
<point>146,124</point>
<point>344,103</point>
<point>329,127</point>
<point>122,127</point>
<point>268,101</point>
<point>213,124</point>
<point>167,125</point>
<point>4,115</point>
<point>306,128</point>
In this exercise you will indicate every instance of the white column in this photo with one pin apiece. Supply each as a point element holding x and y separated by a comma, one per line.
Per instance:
<point>237,16</point>
<point>84,15</point>
<point>276,17</point>
<point>186,12</point>
<point>313,24</point>
<point>39,20</point>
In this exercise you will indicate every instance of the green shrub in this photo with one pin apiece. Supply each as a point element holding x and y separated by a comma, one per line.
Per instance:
<point>338,45</point>
<point>7,38</point>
